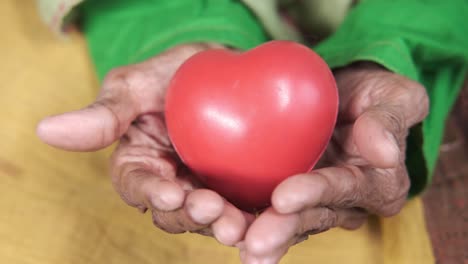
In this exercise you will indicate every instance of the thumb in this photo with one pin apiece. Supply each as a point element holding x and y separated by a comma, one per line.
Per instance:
<point>127,92</point>
<point>94,127</point>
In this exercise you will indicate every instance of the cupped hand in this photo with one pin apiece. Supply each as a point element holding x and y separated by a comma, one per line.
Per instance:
<point>362,172</point>
<point>145,169</point>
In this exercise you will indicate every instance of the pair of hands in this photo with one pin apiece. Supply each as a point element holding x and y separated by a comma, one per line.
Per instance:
<point>362,172</point>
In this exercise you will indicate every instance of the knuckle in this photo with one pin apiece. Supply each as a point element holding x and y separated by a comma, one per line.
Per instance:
<point>135,85</point>
<point>350,189</point>
<point>394,208</point>
<point>393,185</point>
<point>115,83</point>
<point>110,104</point>
<point>396,122</point>
<point>131,165</point>
<point>316,221</point>
<point>328,219</point>
<point>127,178</point>
<point>125,81</point>
<point>115,75</point>
<point>390,188</point>
<point>414,95</point>
<point>120,77</point>
<point>117,160</point>
<point>404,94</point>
<point>126,187</point>
<point>134,78</point>
<point>321,178</point>
<point>117,168</point>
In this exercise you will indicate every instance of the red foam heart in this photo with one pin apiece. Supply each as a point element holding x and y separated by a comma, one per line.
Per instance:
<point>243,122</point>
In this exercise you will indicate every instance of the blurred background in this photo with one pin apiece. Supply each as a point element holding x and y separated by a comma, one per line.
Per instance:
<point>59,207</point>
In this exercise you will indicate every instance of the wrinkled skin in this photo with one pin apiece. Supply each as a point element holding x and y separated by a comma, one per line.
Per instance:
<point>361,173</point>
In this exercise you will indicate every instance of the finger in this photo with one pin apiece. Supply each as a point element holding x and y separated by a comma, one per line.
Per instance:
<point>381,106</point>
<point>141,173</point>
<point>405,97</point>
<point>142,188</point>
<point>354,221</point>
<point>175,222</point>
<point>204,206</point>
<point>269,237</point>
<point>376,190</point>
<point>230,227</point>
<point>317,220</point>
<point>201,209</point>
<point>272,234</point>
<point>145,174</point>
<point>362,88</point>
<point>104,121</point>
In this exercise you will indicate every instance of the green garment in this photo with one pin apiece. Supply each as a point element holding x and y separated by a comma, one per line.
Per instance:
<point>424,40</point>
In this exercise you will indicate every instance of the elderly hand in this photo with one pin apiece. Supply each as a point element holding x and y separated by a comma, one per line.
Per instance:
<point>145,170</point>
<point>362,172</point>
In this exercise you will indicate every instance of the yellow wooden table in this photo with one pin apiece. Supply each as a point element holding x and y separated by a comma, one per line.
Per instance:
<point>59,207</point>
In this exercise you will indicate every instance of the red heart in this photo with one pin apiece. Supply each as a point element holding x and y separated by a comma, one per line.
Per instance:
<point>243,122</point>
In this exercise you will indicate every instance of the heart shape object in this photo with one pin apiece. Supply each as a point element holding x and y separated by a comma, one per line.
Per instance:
<point>243,122</point>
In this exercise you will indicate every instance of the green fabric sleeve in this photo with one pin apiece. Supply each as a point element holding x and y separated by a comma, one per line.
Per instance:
<point>121,32</point>
<point>424,40</point>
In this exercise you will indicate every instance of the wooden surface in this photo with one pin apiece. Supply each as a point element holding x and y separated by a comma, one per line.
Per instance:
<point>446,201</point>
